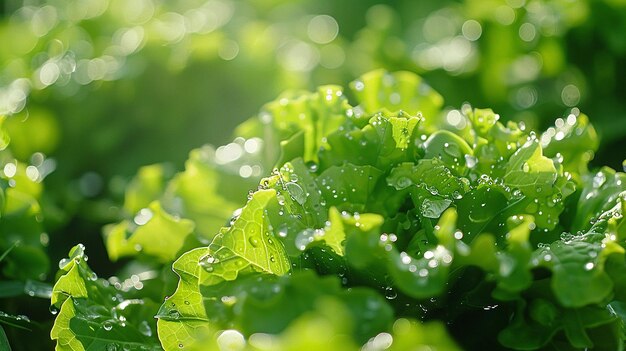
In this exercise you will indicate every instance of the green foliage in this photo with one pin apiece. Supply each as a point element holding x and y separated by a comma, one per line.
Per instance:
<point>393,220</point>
<point>100,88</point>
<point>92,314</point>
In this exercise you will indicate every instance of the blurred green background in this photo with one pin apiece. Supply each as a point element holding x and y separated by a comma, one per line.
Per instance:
<point>91,90</point>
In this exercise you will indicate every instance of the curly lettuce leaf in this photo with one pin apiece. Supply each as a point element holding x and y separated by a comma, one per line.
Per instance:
<point>463,225</point>
<point>399,91</point>
<point>93,314</point>
<point>129,238</point>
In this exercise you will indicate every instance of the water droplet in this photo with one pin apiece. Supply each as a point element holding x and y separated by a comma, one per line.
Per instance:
<point>358,85</point>
<point>63,262</point>
<point>296,192</point>
<point>144,328</point>
<point>567,237</point>
<point>254,241</point>
<point>390,293</point>
<point>207,261</point>
<point>452,149</point>
<point>470,161</point>
<point>312,166</point>
<point>229,300</point>
<point>143,216</point>
<point>599,180</point>
<point>107,326</point>
<point>173,313</point>
<point>525,167</point>
<point>304,238</point>
<point>111,347</point>
<point>282,231</point>
<point>403,183</point>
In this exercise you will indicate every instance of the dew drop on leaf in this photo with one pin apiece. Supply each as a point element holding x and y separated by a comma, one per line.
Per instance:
<point>144,328</point>
<point>403,183</point>
<point>254,241</point>
<point>304,238</point>
<point>296,192</point>
<point>452,149</point>
<point>63,262</point>
<point>599,180</point>
<point>207,262</point>
<point>282,231</point>
<point>390,293</point>
<point>312,166</point>
<point>470,161</point>
<point>229,300</point>
<point>173,314</point>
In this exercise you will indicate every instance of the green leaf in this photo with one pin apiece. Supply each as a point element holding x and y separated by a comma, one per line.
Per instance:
<point>21,228</point>
<point>211,187</point>
<point>131,238</point>
<point>426,276</point>
<point>578,262</point>
<point>514,273</point>
<point>261,303</point>
<point>145,187</point>
<point>408,334</point>
<point>333,234</point>
<point>398,210</point>
<point>247,246</point>
<point>448,147</point>
<point>384,140</point>
<point>600,192</point>
<point>314,115</point>
<point>574,139</point>
<point>182,318</point>
<point>400,91</point>
<point>93,314</point>
<point>4,342</point>
<point>430,174</point>
<point>15,321</point>
<point>339,184</point>
<point>529,171</point>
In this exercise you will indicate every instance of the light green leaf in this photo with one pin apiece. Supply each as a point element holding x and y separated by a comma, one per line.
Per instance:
<point>429,174</point>
<point>399,91</point>
<point>130,238</point>
<point>92,314</point>
<point>247,246</point>
<point>339,185</point>
<point>574,139</point>
<point>529,171</point>
<point>146,186</point>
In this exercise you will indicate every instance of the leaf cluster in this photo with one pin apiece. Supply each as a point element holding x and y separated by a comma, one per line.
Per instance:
<point>369,226</point>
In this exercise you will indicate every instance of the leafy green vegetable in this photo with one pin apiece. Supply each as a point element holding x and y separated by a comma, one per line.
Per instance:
<point>93,314</point>
<point>375,228</point>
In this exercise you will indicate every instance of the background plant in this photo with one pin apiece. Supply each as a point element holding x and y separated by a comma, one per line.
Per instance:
<point>91,91</point>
